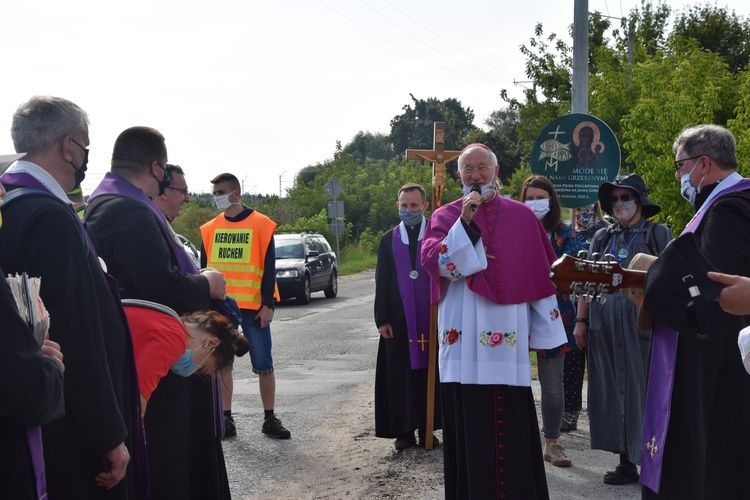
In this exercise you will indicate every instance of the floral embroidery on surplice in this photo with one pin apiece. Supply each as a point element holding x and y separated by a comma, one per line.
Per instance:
<point>445,260</point>
<point>494,339</point>
<point>554,314</point>
<point>450,337</point>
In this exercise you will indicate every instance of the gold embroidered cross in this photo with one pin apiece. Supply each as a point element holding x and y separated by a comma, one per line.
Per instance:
<point>652,446</point>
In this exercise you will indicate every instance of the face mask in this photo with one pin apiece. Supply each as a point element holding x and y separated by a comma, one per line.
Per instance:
<point>80,173</point>
<point>410,218</point>
<point>487,190</point>
<point>627,212</point>
<point>184,367</point>
<point>165,182</point>
<point>686,188</point>
<point>222,201</point>
<point>540,207</point>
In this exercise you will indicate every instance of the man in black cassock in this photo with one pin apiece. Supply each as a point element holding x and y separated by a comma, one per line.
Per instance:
<point>402,312</point>
<point>132,237</point>
<point>87,450</point>
<point>35,398</point>
<point>703,444</point>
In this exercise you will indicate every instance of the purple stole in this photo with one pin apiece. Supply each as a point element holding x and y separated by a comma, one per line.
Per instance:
<point>34,434</point>
<point>415,295</point>
<point>661,378</point>
<point>114,184</point>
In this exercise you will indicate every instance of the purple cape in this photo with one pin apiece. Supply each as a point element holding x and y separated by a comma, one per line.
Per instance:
<point>519,253</point>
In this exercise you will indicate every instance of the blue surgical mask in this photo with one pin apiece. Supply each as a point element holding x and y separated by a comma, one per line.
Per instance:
<point>185,366</point>
<point>410,218</point>
<point>688,191</point>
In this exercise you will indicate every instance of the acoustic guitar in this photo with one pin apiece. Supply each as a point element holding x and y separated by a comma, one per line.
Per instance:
<point>593,279</point>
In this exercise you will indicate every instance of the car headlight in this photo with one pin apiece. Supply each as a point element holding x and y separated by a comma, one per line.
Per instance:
<point>287,273</point>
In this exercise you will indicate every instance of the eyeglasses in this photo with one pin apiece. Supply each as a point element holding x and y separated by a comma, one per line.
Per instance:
<point>182,191</point>
<point>678,163</point>
<point>624,197</point>
<point>85,150</point>
<point>470,171</point>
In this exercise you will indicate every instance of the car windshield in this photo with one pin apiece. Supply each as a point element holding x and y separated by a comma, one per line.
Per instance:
<point>289,250</point>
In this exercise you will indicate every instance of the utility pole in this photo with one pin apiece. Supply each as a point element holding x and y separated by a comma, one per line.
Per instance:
<point>581,57</point>
<point>280,176</point>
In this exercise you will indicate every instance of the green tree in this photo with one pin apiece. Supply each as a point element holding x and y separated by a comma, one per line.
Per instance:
<point>414,128</point>
<point>192,216</point>
<point>366,145</point>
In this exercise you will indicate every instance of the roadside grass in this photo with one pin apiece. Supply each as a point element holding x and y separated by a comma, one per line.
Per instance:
<point>355,259</point>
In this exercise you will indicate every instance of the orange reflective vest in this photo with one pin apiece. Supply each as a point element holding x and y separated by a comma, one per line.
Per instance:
<point>238,250</point>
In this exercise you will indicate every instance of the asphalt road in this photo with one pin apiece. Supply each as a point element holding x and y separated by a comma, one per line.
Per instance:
<point>324,355</point>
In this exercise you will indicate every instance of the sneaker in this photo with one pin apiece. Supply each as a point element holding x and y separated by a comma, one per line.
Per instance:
<point>230,430</point>
<point>554,453</point>
<point>272,428</point>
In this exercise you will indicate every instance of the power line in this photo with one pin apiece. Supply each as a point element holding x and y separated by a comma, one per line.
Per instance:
<point>406,50</point>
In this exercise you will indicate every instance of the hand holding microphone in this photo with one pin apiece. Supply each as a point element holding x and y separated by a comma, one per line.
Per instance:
<point>475,188</point>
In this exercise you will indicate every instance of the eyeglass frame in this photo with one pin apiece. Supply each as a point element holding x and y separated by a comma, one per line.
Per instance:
<point>483,169</point>
<point>182,191</point>
<point>85,150</point>
<point>678,164</point>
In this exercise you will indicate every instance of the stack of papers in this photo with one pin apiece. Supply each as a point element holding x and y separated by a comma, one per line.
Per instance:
<point>30,306</point>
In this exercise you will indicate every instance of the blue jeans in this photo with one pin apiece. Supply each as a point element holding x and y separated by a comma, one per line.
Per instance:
<point>260,343</point>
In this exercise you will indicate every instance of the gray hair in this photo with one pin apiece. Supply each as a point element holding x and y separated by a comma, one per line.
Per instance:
<point>492,156</point>
<point>43,121</point>
<point>714,141</point>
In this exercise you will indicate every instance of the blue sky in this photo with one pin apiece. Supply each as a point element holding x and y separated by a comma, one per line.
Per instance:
<point>262,89</point>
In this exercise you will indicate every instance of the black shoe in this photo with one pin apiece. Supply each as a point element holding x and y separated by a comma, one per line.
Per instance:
<point>272,428</point>
<point>623,474</point>
<point>421,441</point>
<point>230,430</point>
<point>405,441</point>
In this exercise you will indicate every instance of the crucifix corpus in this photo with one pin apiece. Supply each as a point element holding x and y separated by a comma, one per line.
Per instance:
<point>438,156</point>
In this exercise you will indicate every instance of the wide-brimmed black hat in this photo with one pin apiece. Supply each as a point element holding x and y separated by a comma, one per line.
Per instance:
<point>630,181</point>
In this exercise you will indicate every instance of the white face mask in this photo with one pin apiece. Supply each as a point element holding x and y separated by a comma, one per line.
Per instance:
<point>687,190</point>
<point>487,189</point>
<point>540,207</point>
<point>222,201</point>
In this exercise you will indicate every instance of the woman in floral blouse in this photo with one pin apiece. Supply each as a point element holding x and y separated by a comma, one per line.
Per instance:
<point>539,194</point>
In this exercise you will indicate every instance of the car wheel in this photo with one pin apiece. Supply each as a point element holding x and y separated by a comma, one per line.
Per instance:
<point>333,288</point>
<point>304,293</point>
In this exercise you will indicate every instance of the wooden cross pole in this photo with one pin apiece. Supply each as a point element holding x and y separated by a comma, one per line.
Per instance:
<point>438,156</point>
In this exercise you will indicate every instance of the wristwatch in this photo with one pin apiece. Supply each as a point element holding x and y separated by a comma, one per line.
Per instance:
<point>581,320</point>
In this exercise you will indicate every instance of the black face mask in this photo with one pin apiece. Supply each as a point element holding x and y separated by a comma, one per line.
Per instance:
<point>165,182</point>
<point>81,171</point>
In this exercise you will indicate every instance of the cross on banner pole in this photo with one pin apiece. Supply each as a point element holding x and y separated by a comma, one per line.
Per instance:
<point>438,156</point>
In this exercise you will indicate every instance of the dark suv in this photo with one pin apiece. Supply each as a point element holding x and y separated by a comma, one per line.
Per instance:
<point>305,263</point>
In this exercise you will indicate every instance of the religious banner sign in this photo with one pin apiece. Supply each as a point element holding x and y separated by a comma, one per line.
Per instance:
<point>577,152</point>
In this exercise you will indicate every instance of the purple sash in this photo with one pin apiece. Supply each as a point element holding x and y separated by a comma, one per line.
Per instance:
<point>661,378</point>
<point>139,459</point>
<point>117,185</point>
<point>415,295</point>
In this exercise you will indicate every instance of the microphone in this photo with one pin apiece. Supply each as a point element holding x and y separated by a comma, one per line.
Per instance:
<point>475,188</point>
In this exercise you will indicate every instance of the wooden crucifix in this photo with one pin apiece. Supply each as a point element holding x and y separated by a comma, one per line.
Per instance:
<point>438,156</point>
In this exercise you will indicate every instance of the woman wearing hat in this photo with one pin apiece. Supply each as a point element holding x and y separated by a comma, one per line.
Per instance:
<point>618,350</point>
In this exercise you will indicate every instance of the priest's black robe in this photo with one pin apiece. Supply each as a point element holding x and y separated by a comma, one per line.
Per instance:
<point>185,455</point>
<point>31,392</point>
<point>400,392</point>
<point>706,449</point>
<point>43,237</point>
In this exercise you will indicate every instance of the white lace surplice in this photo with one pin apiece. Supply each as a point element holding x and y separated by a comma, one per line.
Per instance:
<point>482,342</point>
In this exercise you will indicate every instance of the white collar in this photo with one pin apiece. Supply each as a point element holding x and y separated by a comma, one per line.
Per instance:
<point>38,173</point>
<point>405,235</point>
